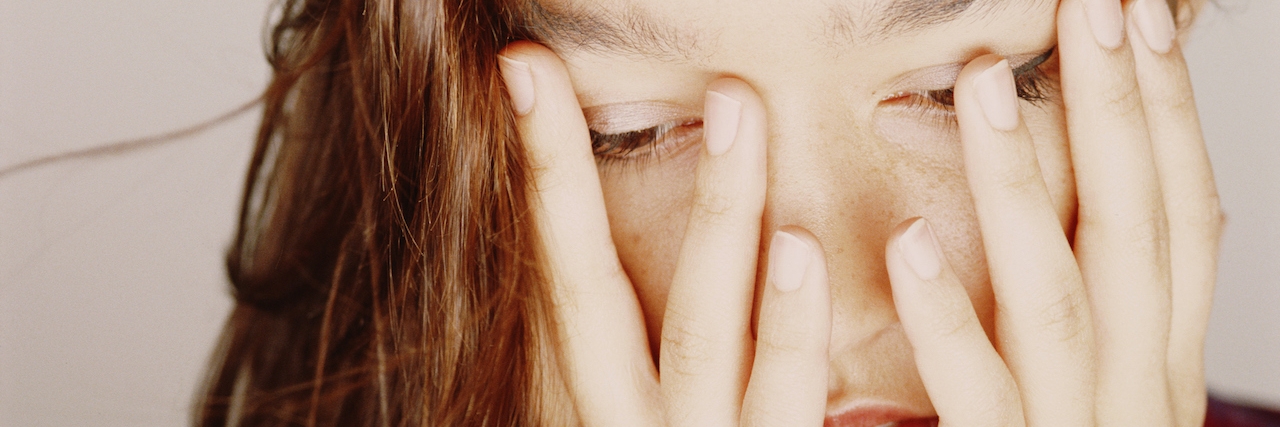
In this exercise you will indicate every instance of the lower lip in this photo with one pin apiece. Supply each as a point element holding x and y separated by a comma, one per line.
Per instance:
<point>878,415</point>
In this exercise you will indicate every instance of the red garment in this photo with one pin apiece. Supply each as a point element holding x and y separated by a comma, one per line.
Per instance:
<point>1223,414</point>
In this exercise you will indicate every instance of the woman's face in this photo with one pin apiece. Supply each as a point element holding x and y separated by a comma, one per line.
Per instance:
<point>862,137</point>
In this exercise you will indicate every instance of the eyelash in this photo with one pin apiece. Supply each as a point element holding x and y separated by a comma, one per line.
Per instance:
<point>640,146</point>
<point>1034,85</point>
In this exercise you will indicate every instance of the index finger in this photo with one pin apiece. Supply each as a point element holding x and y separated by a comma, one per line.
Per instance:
<point>604,350</point>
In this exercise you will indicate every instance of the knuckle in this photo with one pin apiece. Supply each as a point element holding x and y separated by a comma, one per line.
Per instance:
<point>711,204</point>
<point>1199,212</point>
<point>544,177</point>
<point>995,409</point>
<point>1124,99</point>
<point>1207,216</point>
<point>1217,222</point>
<point>1065,316</point>
<point>1179,102</point>
<point>1021,182</point>
<point>1169,103</point>
<point>1145,233</point>
<point>789,337</point>
<point>1149,233</point>
<point>779,343</point>
<point>684,351</point>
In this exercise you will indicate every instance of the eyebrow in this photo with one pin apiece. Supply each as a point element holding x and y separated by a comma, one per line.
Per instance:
<point>879,21</point>
<point>631,32</point>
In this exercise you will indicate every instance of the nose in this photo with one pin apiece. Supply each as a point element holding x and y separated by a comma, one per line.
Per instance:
<point>838,182</point>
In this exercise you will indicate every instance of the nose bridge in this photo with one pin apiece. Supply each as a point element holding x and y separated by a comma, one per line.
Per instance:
<point>829,176</point>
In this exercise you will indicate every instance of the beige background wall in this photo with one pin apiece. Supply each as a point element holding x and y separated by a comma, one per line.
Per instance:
<point>111,288</point>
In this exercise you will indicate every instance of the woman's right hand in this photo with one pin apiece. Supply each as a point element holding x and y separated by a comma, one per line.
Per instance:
<point>713,372</point>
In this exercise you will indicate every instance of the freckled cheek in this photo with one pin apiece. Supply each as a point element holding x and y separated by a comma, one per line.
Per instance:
<point>648,204</point>
<point>931,183</point>
<point>648,208</point>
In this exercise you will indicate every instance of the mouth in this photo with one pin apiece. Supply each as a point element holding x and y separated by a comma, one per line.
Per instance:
<point>878,415</point>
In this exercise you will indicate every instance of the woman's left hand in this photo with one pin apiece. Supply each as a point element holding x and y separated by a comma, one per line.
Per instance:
<point>1108,329</point>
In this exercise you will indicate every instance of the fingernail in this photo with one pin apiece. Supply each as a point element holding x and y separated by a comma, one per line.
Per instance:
<point>519,83</point>
<point>788,260</point>
<point>998,96</point>
<point>720,121</point>
<point>1155,21</point>
<point>920,250</point>
<point>1107,22</point>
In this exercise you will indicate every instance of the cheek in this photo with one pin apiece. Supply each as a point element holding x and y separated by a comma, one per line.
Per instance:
<point>648,208</point>
<point>932,185</point>
<point>929,182</point>
<point>648,205</point>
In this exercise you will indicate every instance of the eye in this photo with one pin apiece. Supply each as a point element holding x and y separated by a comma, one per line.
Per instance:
<point>1034,85</point>
<point>645,144</point>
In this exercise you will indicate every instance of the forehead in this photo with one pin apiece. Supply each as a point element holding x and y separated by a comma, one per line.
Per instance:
<point>693,28</point>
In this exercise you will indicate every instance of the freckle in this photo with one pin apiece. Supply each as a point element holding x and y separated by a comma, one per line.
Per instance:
<point>633,239</point>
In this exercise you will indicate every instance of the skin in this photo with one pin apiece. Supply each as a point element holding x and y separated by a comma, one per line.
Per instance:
<point>1061,274</point>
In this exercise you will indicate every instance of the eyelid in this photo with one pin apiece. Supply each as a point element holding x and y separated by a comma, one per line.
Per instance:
<point>635,116</point>
<point>1032,63</point>
<point>944,77</point>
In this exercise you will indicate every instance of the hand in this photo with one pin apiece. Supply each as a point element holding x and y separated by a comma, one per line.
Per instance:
<point>713,371</point>
<point>1108,332</point>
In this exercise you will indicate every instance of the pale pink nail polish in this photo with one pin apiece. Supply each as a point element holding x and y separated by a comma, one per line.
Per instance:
<point>998,96</point>
<point>788,261</point>
<point>519,81</point>
<point>920,250</point>
<point>1155,21</point>
<point>720,122</point>
<point>1106,19</point>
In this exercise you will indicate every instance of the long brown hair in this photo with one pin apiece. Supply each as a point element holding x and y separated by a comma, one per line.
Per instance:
<point>385,267</point>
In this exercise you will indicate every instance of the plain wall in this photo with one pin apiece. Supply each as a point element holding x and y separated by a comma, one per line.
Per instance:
<point>111,282</point>
<point>1234,57</point>
<point>111,286</point>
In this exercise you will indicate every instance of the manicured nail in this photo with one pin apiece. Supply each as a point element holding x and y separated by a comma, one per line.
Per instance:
<point>519,83</point>
<point>998,96</point>
<point>1155,21</point>
<point>788,260</point>
<point>720,121</point>
<point>920,250</point>
<point>1107,21</point>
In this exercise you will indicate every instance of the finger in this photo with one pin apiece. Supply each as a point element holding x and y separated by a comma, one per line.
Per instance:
<point>966,380</point>
<point>788,384</point>
<point>603,347</point>
<point>1122,234</point>
<point>1043,322</point>
<point>706,336</point>
<point>1190,199</point>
